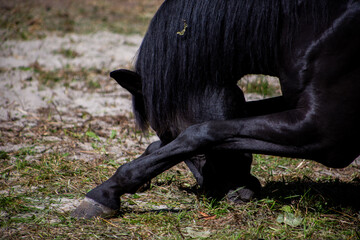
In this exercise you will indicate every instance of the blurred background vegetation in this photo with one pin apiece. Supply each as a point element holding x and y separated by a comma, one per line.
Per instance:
<point>28,19</point>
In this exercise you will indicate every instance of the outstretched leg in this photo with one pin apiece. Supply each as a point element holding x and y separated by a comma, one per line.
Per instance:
<point>104,201</point>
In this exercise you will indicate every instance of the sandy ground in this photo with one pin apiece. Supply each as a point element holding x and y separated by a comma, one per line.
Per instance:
<point>99,50</point>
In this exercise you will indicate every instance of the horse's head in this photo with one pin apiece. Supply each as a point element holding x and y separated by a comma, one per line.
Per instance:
<point>131,81</point>
<point>213,103</point>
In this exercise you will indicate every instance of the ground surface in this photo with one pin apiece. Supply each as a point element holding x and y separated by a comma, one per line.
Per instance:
<point>65,127</point>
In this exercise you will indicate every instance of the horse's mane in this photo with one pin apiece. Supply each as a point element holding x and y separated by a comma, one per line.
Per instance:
<point>195,46</point>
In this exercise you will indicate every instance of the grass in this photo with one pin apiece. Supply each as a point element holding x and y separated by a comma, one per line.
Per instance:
<point>35,183</point>
<point>67,53</point>
<point>53,162</point>
<point>75,78</point>
<point>34,19</point>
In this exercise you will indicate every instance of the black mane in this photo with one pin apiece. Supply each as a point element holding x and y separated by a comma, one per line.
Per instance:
<point>192,45</point>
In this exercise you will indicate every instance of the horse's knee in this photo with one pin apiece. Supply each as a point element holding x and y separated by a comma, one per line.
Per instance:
<point>152,148</point>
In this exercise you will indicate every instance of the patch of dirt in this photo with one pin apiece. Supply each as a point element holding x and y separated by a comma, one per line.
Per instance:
<point>22,94</point>
<point>98,50</point>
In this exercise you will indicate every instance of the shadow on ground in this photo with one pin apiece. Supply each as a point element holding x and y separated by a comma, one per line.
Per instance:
<point>324,195</point>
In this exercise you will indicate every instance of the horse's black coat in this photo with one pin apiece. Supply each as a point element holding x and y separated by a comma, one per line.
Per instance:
<point>190,98</point>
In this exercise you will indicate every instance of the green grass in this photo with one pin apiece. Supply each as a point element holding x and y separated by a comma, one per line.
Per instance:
<point>170,210</point>
<point>91,78</point>
<point>67,53</point>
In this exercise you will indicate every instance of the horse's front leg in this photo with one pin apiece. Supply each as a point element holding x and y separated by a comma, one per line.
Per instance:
<point>104,200</point>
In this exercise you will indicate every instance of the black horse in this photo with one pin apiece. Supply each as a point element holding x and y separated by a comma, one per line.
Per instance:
<point>185,87</point>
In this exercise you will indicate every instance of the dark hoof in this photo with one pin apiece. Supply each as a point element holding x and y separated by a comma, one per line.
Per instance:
<point>89,208</point>
<point>241,195</point>
<point>246,193</point>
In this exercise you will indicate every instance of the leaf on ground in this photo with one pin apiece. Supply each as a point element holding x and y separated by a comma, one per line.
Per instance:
<point>197,233</point>
<point>206,216</point>
<point>92,135</point>
<point>113,134</point>
<point>287,209</point>
<point>289,219</point>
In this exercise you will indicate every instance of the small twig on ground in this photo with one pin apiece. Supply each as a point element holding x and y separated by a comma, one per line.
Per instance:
<point>28,113</point>
<point>57,111</point>
<point>178,229</point>
<point>108,222</point>
<point>344,214</point>
<point>88,152</point>
<point>300,164</point>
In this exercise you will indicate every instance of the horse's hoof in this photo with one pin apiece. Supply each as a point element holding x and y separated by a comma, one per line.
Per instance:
<point>241,195</point>
<point>246,193</point>
<point>89,208</point>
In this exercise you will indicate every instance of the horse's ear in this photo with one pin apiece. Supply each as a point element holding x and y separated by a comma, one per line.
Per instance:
<point>129,80</point>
